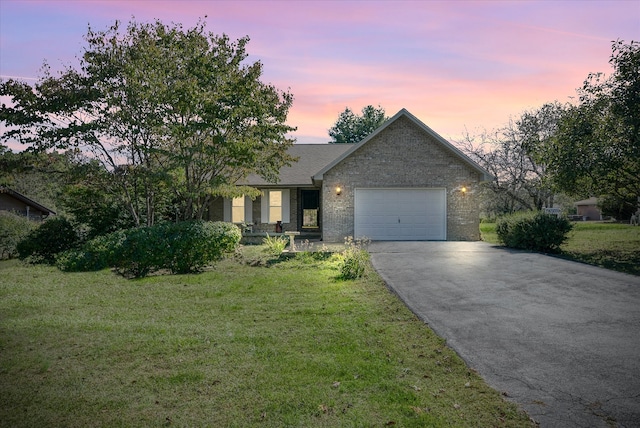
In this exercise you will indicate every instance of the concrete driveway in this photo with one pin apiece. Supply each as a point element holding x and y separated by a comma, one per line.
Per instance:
<point>561,339</point>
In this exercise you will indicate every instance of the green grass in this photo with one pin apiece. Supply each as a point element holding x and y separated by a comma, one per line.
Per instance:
<point>610,245</point>
<point>236,346</point>
<point>488,233</point>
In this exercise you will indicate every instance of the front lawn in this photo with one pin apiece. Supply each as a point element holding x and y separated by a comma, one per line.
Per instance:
<point>237,346</point>
<point>610,245</point>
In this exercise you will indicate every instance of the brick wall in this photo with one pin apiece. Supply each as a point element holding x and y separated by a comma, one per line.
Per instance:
<point>402,156</point>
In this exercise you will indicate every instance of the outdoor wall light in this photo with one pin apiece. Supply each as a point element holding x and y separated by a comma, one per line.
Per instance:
<point>463,190</point>
<point>338,190</point>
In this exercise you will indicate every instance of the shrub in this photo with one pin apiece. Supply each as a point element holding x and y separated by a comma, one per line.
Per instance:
<point>275,245</point>
<point>140,252</point>
<point>53,236</point>
<point>96,254</point>
<point>13,229</point>
<point>192,245</point>
<point>179,247</point>
<point>354,258</point>
<point>533,230</point>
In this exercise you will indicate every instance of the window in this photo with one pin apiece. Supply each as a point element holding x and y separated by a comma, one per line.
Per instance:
<point>275,206</point>
<point>237,210</point>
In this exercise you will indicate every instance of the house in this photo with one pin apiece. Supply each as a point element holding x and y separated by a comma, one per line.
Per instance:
<point>588,209</point>
<point>16,202</point>
<point>402,182</point>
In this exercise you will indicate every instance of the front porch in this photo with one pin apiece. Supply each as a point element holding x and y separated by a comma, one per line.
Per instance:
<point>255,238</point>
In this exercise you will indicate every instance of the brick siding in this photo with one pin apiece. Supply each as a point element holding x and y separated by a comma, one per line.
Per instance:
<point>401,156</point>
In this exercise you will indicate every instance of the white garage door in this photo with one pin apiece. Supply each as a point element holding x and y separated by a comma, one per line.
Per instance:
<point>401,214</point>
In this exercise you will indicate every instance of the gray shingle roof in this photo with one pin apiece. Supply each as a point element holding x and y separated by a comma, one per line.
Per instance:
<point>312,158</point>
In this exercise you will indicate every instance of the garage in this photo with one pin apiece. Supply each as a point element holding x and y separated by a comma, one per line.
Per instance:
<point>401,214</point>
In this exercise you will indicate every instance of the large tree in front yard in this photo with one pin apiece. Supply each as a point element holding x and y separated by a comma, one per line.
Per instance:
<point>596,149</point>
<point>171,114</point>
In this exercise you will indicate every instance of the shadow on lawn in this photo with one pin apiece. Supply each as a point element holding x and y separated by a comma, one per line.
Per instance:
<point>618,260</point>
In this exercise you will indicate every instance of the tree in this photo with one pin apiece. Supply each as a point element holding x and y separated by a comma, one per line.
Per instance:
<point>521,181</point>
<point>596,148</point>
<point>88,196</point>
<point>159,107</point>
<point>40,176</point>
<point>351,128</point>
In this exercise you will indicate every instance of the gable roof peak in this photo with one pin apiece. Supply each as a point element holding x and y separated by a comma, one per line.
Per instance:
<point>405,113</point>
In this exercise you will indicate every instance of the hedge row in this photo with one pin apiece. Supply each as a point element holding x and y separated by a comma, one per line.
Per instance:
<point>178,247</point>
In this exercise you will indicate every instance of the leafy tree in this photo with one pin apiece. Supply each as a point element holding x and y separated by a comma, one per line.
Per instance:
<point>90,197</point>
<point>50,238</point>
<point>352,128</point>
<point>161,108</point>
<point>13,229</point>
<point>617,208</point>
<point>40,176</point>
<point>596,149</point>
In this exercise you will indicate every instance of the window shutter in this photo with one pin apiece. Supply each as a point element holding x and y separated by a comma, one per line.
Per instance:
<point>226,209</point>
<point>264,207</point>
<point>286,206</point>
<point>248,210</point>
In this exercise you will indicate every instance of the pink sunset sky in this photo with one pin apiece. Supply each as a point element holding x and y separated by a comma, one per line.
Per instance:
<point>456,65</point>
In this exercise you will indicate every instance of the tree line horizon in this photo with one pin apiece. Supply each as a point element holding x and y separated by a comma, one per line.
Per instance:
<point>159,119</point>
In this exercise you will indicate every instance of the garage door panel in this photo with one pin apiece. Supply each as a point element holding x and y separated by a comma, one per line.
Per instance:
<point>400,214</point>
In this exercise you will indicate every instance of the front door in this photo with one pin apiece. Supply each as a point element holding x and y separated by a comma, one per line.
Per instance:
<point>310,208</point>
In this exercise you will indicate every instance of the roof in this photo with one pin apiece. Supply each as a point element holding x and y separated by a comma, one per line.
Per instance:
<point>405,113</point>
<point>312,158</point>
<point>316,159</point>
<point>590,201</point>
<point>30,202</point>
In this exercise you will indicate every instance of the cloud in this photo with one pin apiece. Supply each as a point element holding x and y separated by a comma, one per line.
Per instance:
<point>452,64</point>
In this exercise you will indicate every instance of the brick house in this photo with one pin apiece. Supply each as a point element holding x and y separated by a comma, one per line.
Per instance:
<point>402,182</point>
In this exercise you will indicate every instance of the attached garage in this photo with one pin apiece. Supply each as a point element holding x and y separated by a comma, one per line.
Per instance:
<point>389,214</point>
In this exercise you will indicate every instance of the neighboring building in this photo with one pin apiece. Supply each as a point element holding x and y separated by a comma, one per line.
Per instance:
<point>16,202</point>
<point>588,209</point>
<point>403,182</point>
